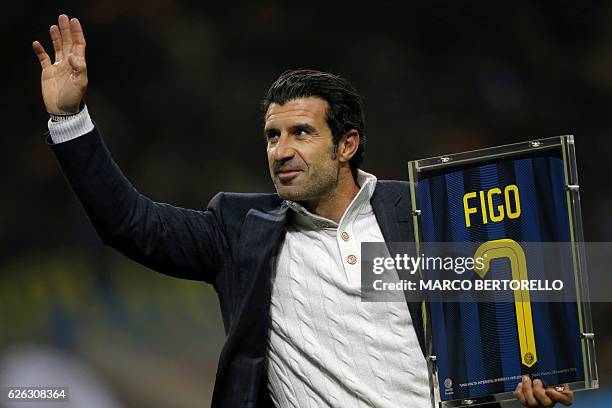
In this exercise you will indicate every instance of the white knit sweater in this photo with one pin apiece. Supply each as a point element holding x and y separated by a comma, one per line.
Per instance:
<point>327,348</point>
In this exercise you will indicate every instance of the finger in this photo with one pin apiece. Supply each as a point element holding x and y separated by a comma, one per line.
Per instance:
<point>518,393</point>
<point>78,39</point>
<point>56,38</point>
<point>566,397</point>
<point>540,394</point>
<point>64,26</point>
<point>528,391</point>
<point>42,55</point>
<point>77,63</point>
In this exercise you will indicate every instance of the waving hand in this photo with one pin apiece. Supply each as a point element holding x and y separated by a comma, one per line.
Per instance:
<point>63,82</point>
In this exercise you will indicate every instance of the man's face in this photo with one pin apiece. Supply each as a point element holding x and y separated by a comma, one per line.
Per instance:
<point>301,154</point>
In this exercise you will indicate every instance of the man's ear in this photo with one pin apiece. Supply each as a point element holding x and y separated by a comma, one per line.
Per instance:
<point>348,145</point>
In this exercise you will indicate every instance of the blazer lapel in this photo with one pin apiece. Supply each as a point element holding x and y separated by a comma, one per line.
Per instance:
<point>257,247</point>
<point>245,348</point>
<point>393,213</point>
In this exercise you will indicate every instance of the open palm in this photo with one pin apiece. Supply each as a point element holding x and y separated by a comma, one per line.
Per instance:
<point>63,82</point>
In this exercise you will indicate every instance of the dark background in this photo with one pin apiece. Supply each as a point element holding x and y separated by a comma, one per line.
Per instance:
<point>175,88</point>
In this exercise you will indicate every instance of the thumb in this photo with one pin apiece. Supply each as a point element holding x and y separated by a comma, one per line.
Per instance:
<point>77,63</point>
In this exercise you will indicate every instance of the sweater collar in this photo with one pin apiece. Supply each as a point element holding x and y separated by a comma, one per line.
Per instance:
<point>300,216</point>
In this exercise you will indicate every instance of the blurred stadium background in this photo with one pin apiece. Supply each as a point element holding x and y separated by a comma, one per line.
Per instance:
<point>175,87</point>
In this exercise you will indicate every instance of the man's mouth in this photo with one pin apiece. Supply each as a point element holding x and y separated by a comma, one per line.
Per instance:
<point>287,175</point>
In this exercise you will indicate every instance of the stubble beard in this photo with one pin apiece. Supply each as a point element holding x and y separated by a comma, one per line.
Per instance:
<point>313,190</point>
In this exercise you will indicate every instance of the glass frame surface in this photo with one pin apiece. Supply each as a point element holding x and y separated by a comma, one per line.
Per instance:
<point>566,144</point>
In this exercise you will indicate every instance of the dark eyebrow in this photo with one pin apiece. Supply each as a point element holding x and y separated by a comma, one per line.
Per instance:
<point>269,131</point>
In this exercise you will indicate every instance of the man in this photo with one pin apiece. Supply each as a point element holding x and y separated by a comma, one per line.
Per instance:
<point>285,265</point>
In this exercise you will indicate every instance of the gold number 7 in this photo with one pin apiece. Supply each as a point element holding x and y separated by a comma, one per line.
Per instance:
<point>508,248</point>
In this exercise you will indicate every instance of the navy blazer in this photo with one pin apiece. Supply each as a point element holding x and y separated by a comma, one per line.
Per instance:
<point>232,245</point>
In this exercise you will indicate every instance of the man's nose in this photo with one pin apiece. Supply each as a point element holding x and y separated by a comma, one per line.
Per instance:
<point>283,149</point>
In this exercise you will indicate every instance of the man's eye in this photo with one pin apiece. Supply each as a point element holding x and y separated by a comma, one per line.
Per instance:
<point>301,132</point>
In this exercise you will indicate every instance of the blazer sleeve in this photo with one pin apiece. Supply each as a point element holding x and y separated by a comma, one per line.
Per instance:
<point>175,241</point>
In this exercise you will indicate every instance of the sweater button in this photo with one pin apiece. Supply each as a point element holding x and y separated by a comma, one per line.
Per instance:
<point>345,235</point>
<point>352,259</point>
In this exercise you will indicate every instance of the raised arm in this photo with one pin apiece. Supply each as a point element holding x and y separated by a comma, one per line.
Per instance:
<point>175,241</point>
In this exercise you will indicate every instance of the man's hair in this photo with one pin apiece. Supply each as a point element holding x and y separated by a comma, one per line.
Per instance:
<point>344,112</point>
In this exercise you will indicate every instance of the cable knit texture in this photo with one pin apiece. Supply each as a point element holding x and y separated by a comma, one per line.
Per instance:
<point>326,347</point>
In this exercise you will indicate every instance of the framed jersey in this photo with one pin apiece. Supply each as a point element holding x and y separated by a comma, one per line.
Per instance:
<point>510,204</point>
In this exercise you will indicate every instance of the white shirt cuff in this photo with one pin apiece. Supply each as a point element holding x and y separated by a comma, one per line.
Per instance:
<point>70,127</point>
